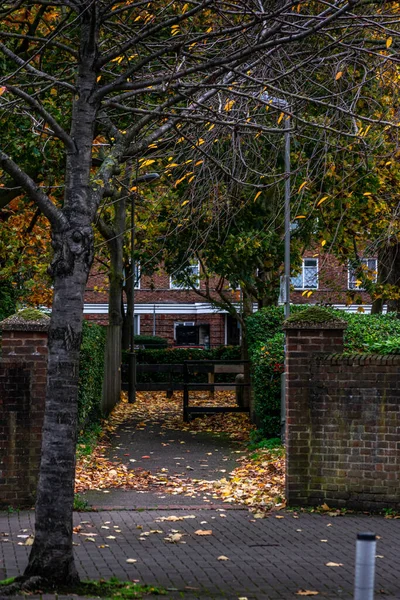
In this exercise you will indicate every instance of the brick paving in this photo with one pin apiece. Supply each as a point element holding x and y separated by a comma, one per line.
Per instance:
<point>269,559</point>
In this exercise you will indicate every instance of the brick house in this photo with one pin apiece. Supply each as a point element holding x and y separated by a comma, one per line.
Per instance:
<point>184,318</point>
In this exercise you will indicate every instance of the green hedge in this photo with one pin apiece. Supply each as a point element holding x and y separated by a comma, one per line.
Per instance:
<point>151,341</point>
<point>178,356</point>
<point>365,333</point>
<point>7,300</point>
<point>91,372</point>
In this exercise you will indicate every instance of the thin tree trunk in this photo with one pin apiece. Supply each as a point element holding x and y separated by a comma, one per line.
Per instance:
<point>113,349</point>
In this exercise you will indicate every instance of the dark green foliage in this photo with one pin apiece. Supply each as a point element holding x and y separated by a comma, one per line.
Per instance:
<point>179,355</point>
<point>364,333</point>
<point>390,346</point>
<point>91,372</point>
<point>315,314</point>
<point>7,300</point>
<point>267,365</point>
<point>264,324</point>
<point>151,341</point>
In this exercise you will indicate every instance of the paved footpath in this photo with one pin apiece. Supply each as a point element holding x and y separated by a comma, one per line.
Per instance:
<point>268,559</point>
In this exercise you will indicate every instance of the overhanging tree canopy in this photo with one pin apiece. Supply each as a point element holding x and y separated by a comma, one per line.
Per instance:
<point>129,76</point>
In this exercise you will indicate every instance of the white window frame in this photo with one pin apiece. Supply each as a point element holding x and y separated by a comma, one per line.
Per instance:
<point>303,271</point>
<point>184,323</point>
<point>352,282</point>
<point>174,286</point>
<point>137,324</point>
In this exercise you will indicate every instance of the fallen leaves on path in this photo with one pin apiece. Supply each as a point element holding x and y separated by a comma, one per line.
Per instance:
<point>257,483</point>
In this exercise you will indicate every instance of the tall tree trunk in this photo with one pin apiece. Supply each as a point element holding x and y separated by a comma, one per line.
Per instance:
<point>247,311</point>
<point>51,555</point>
<point>113,349</point>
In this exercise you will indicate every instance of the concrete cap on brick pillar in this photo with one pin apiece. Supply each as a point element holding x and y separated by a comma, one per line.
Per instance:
<point>27,319</point>
<point>314,317</point>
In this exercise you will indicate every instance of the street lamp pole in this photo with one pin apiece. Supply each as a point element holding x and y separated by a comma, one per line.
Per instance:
<point>287,217</point>
<point>132,355</point>
<point>281,103</point>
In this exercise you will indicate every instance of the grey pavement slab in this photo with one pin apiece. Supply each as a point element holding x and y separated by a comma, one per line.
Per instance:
<point>269,559</point>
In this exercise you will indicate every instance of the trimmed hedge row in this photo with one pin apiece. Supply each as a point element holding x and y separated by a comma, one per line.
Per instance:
<point>178,356</point>
<point>91,373</point>
<point>365,333</point>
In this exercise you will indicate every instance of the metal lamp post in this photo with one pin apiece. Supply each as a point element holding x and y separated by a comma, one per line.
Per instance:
<point>281,103</point>
<point>132,355</point>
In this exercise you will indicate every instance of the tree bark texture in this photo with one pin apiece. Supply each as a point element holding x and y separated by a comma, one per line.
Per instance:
<point>51,555</point>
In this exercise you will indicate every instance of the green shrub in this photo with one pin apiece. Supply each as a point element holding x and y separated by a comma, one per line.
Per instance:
<point>266,368</point>
<point>91,372</point>
<point>7,300</point>
<point>365,333</point>
<point>390,346</point>
<point>150,341</point>
<point>180,355</point>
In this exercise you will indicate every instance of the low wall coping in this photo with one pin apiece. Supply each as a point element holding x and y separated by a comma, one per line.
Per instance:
<point>19,323</point>
<point>313,325</point>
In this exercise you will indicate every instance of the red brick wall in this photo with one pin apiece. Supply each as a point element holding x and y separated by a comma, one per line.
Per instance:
<point>332,284</point>
<point>342,428</point>
<point>23,372</point>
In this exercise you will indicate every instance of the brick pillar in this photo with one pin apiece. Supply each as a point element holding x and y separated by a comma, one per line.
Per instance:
<point>23,375</point>
<point>304,338</point>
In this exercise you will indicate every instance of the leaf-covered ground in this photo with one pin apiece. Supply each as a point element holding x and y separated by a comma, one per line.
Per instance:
<point>257,482</point>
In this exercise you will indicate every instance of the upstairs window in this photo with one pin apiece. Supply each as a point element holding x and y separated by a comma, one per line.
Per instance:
<point>370,271</point>
<point>307,279</point>
<point>191,273</point>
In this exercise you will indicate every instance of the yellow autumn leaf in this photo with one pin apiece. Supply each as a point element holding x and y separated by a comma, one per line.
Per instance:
<point>211,126</point>
<point>322,200</point>
<point>229,104</point>
<point>302,186</point>
<point>53,92</point>
<point>309,293</point>
<point>257,195</point>
<point>389,42</point>
<point>304,293</point>
<point>2,90</point>
<point>199,162</point>
<point>199,142</point>
<point>323,242</point>
<point>280,117</point>
<point>98,79</point>
<point>147,163</point>
<point>300,217</point>
<point>338,75</point>
<point>185,202</point>
<point>367,194</point>
<point>191,179</point>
